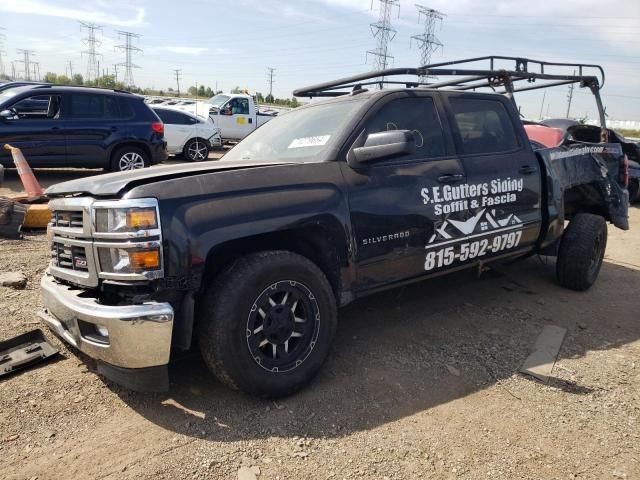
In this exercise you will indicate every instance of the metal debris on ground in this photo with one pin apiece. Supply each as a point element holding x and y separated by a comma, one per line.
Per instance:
<point>541,361</point>
<point>24,351</point>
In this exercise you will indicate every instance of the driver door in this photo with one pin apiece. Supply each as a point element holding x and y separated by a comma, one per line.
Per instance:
<point>37,130</point>
<point>392,211</point>
<point>235,120</point>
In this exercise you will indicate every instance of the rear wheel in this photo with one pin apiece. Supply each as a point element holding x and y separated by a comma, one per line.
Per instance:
<point>129,158</point>
<point>196,150</point>
<point>267,323</point>
<point>581,251</point>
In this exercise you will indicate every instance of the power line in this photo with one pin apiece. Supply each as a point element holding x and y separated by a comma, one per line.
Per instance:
<point>27,54</point>
<point>384,33</point>
<point>129,50</point>
<point>93,66</point>
<point>270,73</point>
<point>427,41</point>
<point>177,72</point>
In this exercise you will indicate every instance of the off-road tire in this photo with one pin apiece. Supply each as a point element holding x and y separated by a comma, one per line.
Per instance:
<point>136,154</point>
<point>224,316</point>
<point>192,147</point>
<point>633,190</point>
<point>581,251</point>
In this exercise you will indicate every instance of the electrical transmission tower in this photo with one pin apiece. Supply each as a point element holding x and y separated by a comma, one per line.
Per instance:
<point>2,52</point>
<point>27,54</point>
<point>93,68</point>
<point>129,50</point>
<point>69,69</point>
<point>270,80</point>
<point>427,41</point>
<point>384,33</point>
<point>570,96</point>
<point>177,73</point>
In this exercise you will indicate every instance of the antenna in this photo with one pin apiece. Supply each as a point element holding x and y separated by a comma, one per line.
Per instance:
<point>384,33</point>
<point>427,41</point>
<point>27,54</point>
<point>129,50</point>
<point>93,67</point>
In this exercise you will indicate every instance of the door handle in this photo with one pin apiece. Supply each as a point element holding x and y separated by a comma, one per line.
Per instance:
<point>527,169</point>
<point>55,129</point>
<point>450,178</point>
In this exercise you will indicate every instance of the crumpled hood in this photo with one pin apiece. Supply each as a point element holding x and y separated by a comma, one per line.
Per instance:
<point>112,184</point>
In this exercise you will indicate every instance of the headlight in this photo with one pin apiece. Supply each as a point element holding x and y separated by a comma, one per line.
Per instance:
<point>120,260</point>
<point>119,220</point>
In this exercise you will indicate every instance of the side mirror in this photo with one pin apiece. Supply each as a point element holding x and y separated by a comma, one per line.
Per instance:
<point>384,145</point>
<point>7,115</point>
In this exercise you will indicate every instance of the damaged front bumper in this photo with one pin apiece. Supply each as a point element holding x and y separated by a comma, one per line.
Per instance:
<point>131,343</point>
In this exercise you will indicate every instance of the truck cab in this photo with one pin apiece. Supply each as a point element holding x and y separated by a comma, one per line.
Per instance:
<point>237,115</point>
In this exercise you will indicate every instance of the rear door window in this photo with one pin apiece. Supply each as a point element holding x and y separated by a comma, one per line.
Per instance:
<point>483,126</point>
<point>86,106</point>
<point>417,114</point>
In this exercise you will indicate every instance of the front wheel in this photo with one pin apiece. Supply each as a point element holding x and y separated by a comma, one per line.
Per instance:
<point>581,251</point>
<point>129,158</point>
<point>196,150</point>
<point>267,323</point>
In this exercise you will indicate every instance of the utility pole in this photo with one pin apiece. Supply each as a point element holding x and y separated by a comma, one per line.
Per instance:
<point>544,95</point>
<point>270,74</point>
<point>69,69</point>
<point>427,41</point>
<point>570,96</point>
<point>115,71</point>
<point>384,33</point>
<point>177,72</point>
<point>93,66</point>
<point>27,54</point>
<point>2,52</point>
<point>36,71</point>
<point>129,50</point>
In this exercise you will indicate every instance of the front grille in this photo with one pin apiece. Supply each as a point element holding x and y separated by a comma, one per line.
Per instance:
<point>70,257</point>
<point>67,219</point>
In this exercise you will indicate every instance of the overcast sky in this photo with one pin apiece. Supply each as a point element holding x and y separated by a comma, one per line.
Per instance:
<point>232,42</point>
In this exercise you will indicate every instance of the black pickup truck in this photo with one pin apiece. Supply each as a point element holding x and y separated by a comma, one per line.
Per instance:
<point>250,257</point>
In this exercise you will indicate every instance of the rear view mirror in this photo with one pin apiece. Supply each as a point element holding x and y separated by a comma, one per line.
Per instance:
<point>384,145</point>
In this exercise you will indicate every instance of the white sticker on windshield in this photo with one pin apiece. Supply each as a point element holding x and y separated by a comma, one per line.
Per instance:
<point>317,141</point>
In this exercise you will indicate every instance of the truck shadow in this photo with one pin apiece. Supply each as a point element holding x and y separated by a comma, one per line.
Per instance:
<point>411,349</point>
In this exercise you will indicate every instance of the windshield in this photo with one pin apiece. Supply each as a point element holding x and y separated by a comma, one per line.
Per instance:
<point>11,92</point>
<point>305,135</point>
<point>218,100</point>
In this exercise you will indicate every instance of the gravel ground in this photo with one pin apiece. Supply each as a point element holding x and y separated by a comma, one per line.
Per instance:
<point>422,383</point>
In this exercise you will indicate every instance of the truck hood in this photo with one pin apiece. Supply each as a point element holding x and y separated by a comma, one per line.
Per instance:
<point>112,184</point>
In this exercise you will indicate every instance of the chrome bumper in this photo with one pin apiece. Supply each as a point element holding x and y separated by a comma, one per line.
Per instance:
<point>139,336</point>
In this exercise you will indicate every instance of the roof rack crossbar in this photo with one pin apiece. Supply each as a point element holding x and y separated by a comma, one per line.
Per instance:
<point>523,68</point>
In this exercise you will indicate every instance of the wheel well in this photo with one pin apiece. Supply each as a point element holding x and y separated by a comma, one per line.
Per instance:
<point>141,146</point>
<point>586,198</point>
<point>203,140</point>
<point>313,243</point>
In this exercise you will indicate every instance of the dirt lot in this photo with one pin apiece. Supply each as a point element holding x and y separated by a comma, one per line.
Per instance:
<point>422,383</point>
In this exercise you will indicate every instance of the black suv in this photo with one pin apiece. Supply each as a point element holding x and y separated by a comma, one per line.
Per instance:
<point>57,126</point>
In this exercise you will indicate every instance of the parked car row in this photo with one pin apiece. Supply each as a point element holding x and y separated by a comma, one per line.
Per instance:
<point>69,126</point>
